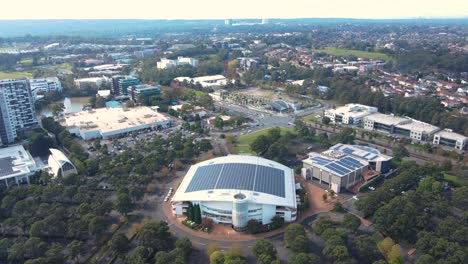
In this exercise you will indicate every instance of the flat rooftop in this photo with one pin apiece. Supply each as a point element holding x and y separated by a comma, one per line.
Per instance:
<point>111,119</point>
<point>451,135</point>
<point>419,126</point>
<point>388,120</point>
<point>353,110</point>
<point>15,161</point>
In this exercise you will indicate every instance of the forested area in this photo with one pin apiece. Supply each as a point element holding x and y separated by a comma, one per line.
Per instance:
<point>57,219</point>
<point>416,209</point>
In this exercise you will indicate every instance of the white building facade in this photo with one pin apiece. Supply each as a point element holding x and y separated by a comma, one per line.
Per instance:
<point>16,166</point>
<point>45,85</point>
<point>167,63</point>
<point>350,114</point>
<point>237,188</point>
<point>450,139</point>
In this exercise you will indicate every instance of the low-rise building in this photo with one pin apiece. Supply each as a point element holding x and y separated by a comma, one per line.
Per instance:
<point>144,89</point>
<point>350,114</point>
<point>416,130</point>
<point>342,166</point>
<point>16,166</point>
<point>237,188</point>
<point>93,82</point>
<point>113,122</point>
<point>167,63</point>
<point>59,164</point>
<point>384,123</point>
<point>45,85</point>
<point>212,81</point>
<point>450,139</point>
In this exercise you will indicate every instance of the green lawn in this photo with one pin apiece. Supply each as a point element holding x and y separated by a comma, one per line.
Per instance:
<point>15,75</point>
<point>455,180</point>
<point>357,53</point>
<point>311,117</point>
<point>244,141</point>
<point>26,60</point>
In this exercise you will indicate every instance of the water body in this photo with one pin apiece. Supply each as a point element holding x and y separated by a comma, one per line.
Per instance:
<point>72,105</point>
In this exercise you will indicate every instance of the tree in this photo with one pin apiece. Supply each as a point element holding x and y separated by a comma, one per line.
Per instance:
<point>364,249</point>
<point>351,222</point>
<point>399,152</point>
<point>324,197</point>
<point>253,226</point>
<point>219,122</point>
<point>217,257</point>
<point>299,244</point>
<point>265,259</point>
<point>291,232</point>
<point>74,249</point>
<point>235,250</point>
<point>260,144</point>
<point>197,214</point>
<point>277,222</point>
<point>155,236</point>
<point>124,203</point>
<point>207,222</point>
<point>322,224</point>
<point>338,208</point>
<point>57,109</point>
<point>395,255</point>
<point>264,247</point>
<point>184,244</point>
<point>119,244</point>
<point>212,248</point>
<point>326,120</point>
<point>54,254</point>
<point>340,253</point>
<point>304,258</point>
<point>386,245</point>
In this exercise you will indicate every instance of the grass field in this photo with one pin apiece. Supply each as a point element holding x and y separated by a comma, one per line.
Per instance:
<point>15,75</point>
<point>26,61</point>
<point>357,53</point>
<point>244,141</point>
<point>311,117</point>
<point>454,179</point>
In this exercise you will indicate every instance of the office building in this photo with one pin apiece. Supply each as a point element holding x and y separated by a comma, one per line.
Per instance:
<point>450,139</point>
<point>212,81</point>
<point>92,82</point>
<point>108,123</point>
<point>16,166</point>
<point>17,111</point>
<point>342,166</point>
<point>237,188</point>
<point>45,85</point>
<point>350,114</point>
<point>166,63</point>
<point>144,89</point>
<point>120,84</point>
<point>416,130</point>
<point>384,123</point>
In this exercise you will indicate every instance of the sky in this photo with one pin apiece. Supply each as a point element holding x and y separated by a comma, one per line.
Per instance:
<point>221,9</point>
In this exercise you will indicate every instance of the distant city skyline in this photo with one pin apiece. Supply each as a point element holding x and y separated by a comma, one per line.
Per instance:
<point>239,9</point>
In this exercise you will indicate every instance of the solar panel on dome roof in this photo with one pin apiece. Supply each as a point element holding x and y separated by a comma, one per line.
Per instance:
<point>242,176</point>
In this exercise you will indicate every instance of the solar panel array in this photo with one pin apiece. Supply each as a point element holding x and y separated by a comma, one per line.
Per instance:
<point>240,176</point>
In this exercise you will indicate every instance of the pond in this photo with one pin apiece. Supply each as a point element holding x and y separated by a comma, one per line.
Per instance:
<point>72,105</point>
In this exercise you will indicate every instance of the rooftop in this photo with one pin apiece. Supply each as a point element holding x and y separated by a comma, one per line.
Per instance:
<point>111,119</point>
<point>260,180</point>
<point>15,161</point>
<point>451,135</point>
<point>389,120</point>
<point>419,126</point>
<point>353,110</point>
<point>341,159</point>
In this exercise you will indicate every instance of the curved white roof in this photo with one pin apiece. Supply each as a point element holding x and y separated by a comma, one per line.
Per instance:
<point>56,160</point>
<point>262,181</point>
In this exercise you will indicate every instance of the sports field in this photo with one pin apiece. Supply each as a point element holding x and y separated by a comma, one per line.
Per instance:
<point>357,53</point>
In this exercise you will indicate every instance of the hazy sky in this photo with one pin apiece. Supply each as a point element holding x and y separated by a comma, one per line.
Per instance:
<point>219,9</point>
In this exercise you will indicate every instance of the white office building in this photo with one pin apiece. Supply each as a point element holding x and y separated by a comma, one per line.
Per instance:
<point>342,166</point>
<point>16,109</point>
<point>417,130</point>
<point>237,188</point>
<point>450,139</point>
<point>166,63</point>
<point>16,166</point>
<point>45,85</point>
<point>350,114</point>
<point>211,81</point>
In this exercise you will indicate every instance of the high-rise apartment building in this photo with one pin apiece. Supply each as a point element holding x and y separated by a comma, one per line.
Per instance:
<point>45,85</point>
<point>16,109</point>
